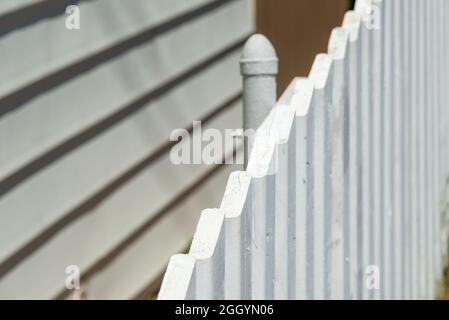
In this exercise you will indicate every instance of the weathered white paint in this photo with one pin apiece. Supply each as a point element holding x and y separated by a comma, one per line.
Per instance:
<point>354,156</point>
<point>351,22</point>
<point>376,113</point>
<point>338,45</point>
<point>414,156</point>
<point>406,147</point>
<point>436,252</point>
<point>398,157</point>
<point>366,183</point>
<point>237,210</point>
<point>283,132</point>
<point>259,67</point>
<point>261,167</point>
<point>301,100</point>
<point>320,76</point>
<point>180,276</point>
<point>208,250</point>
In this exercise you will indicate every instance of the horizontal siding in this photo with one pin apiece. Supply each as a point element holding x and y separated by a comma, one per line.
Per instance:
<point>90,100</point>
<point>112,283</point>
<point>104,24</point>
<point>10,6</point>
<point>96,233</point>
<point>137,138</point>
<point>75,115</point>
<point>89,178</point>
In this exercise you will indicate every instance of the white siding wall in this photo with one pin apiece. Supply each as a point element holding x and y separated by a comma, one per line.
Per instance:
<point>85,120</point>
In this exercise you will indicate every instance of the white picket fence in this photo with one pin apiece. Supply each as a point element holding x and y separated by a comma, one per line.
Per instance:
<point>345,195</point>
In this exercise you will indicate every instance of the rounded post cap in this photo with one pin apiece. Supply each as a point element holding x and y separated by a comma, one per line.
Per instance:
<point>258,57</point>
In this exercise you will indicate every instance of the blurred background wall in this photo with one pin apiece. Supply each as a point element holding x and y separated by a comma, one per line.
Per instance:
<point>85,120</point>
<point>299,30</point>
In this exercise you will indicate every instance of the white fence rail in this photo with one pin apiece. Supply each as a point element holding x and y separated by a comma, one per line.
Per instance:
<point>345,195</point>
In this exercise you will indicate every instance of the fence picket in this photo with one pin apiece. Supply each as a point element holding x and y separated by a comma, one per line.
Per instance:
<point>407,157</point>
<point>236,206</point>
<point>320,76</point>
<point>301,100</point>
<point>351,23</point>
<point>338,44</point>
<point>208,250</point>
<point>397,156</point>
<point>179,279</point>
<point>365,68</point>
<point>283,128</point>
<point>261,166</point>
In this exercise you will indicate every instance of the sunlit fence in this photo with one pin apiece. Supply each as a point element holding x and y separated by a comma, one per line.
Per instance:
<point>345,193</point>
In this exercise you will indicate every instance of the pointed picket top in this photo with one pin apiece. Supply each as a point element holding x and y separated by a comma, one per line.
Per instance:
<point>351,22</point>
<point>338,43</point>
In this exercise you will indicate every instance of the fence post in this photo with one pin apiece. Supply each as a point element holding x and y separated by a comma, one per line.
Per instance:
<point>259,68</point>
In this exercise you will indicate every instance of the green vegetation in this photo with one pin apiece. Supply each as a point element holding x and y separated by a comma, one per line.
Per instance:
<point>444,289</point>
<point>351,4</point>
<point>152,296</point>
